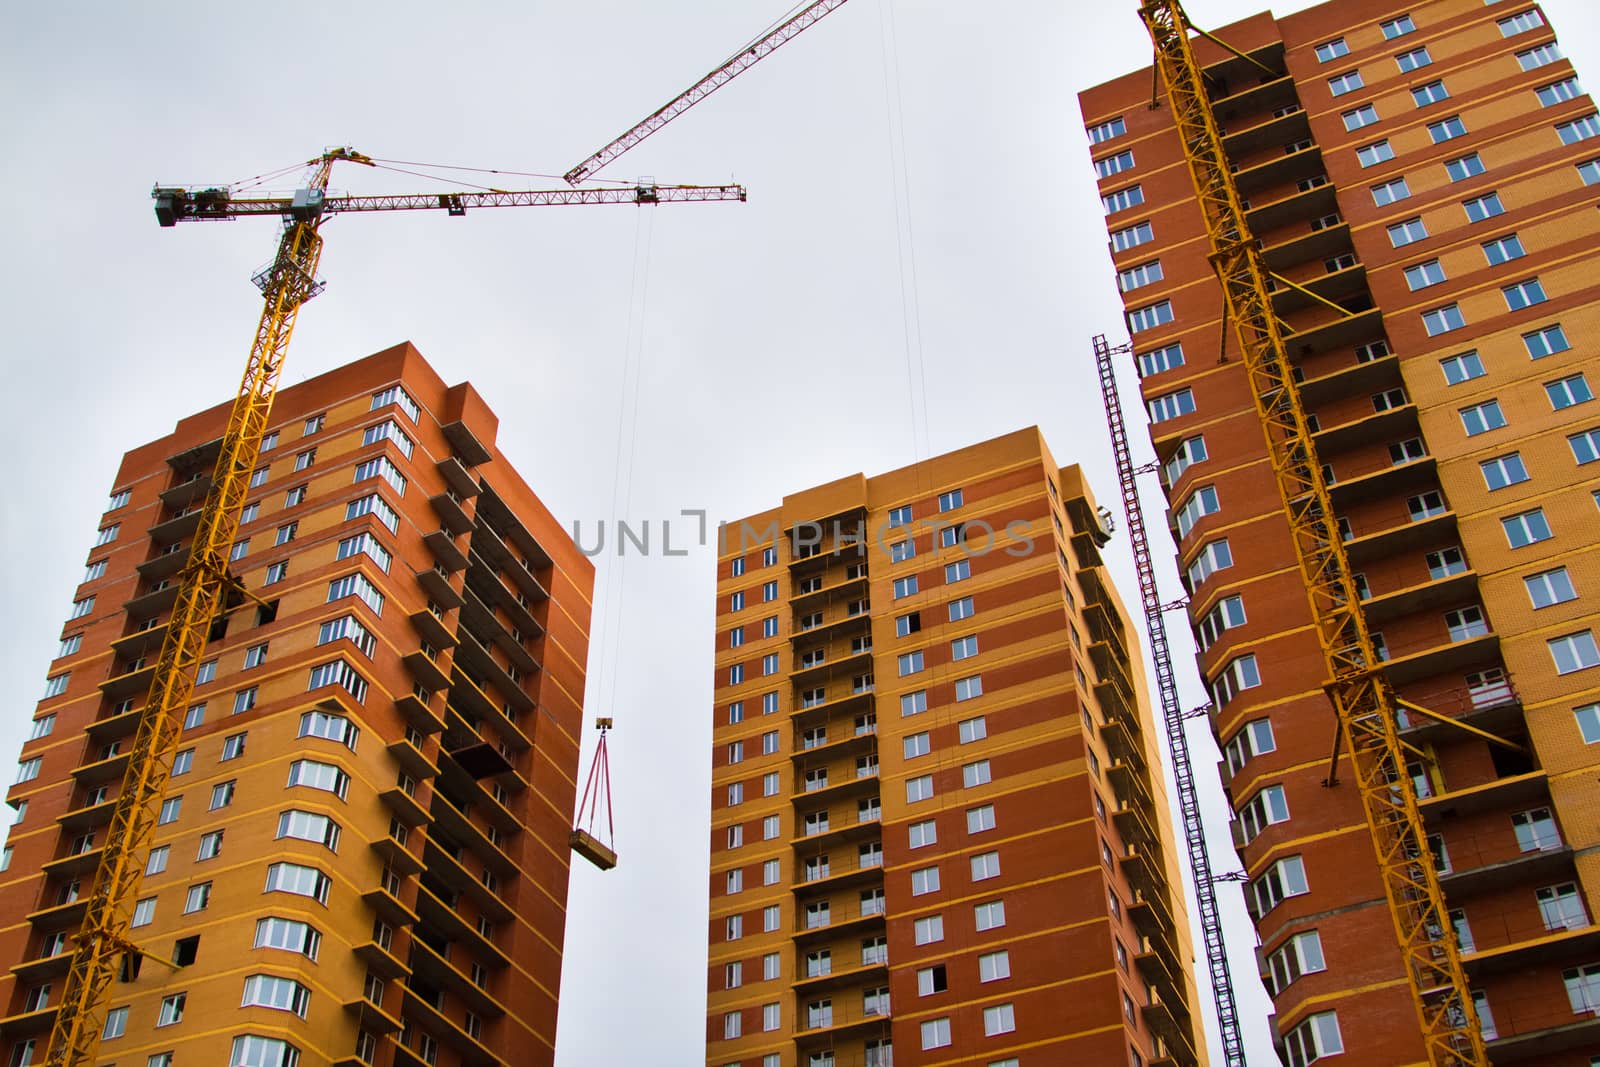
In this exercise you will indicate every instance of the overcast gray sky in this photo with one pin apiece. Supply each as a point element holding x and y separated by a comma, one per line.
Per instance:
<point>920,195</point>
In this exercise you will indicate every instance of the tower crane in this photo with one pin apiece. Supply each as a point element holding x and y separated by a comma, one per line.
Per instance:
<point>286,284</point>
<point>1362,696</point>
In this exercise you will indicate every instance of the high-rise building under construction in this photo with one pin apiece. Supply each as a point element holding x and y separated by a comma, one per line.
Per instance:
<point>1423,183</point>
<point>362,857</point>
<point>939,831</point>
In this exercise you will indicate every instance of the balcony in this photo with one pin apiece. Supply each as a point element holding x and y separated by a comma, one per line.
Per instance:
<point>1534,1029</point>
<point>411,759</point>
<point>103,732</point>
<point>839,1023</point>
<point>447,869</point>
<point>848,741</point>
<point>419,714</point>
<point>32,972</point>
<point>420,1012</point>
<point>448,922</point>
<point>471,706</point>
<point>846,663</point>
<point>841,788</point>
<point>1468,876</point>
<point>381,961</point>
<point>1452,657</point>
<point>1152,917</point>
<point>1407,536</point>
<point>77,864</point>
<point>847,871</point>
<point>168,563</point>
<point>1258,96</point>
<point>485,584</point>
<point>1337,287</point>
<point>442,543</point>
<point>371,1017</point>
<point>439,589</point>
<point>1392,480</point>
<point>1391,425</point>
<point>425,670</point>
<point>200,458</point>
<point>834,629</point>
<point>405,806</point>
<point>1496,709</point>
<point>1306,246</point>
<point>177,528</point>
<point>434,968</point>
<point>466,443</point>
<point>1355,379</point>
<point>452,515</point>
<point>1295,207</point>
<point>451,821</point>
<point>140,642</point>
<point>1134,826</point>
<point>831,979</point>
<point>1170,1022</point>
<point>1129,783</point>
<point>458,477</point>
<point>1530,945</point>
<point>479,618</point>
<point>474,661</point>
<point>456,779</point>
<point>1432,595</point>
<point>488,544</point>
<point>1242,140</point>
<point>1336,333</point>
<point>855,702</point>
<point>29,1022</point>
<point>389,906</point>
<point>60,916</point>
<point>82,819</point>
<point>1142,868</point>
<point>800,602</point>
<point>1279,170</point>
<point>189,491</point>
<point>1501,793</point>
<point>135,682</point>
<point>839,925</point>
<point>431,628</point>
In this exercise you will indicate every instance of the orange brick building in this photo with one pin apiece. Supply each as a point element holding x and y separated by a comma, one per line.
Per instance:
<point>363,856</point>
<point>1427,175</point>
<point>939,833</point>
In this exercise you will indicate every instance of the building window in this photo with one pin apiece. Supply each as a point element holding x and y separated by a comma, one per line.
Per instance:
<point>1431,93</point>
<point>1390,192</point>
<point>975,774</point>
<point>1253,739</point>
<point>1171,405</point>
<point>1331,50</point>
<point>1413,60</point>
<point>1422,275</point>
<point>1503,471</point>
<point>1568,391</point>
<point>917,744</point>
<point>1132,236</point>
<point>1397,27</point>
<point>1463,624</point>
<point>1348,82</point>
<point>959,571</point>
<point>1373,154</point>
<point>1483,207</point>
<point>913,703</point>
<point>1481,418</point>
<point>1523,294</point>
<point>968,688</point>
<point>1162,359</point>
<point>1502,249</point>
<point>116,1023</point>
<point>922,834</point>
<point>1356,118</point>
<point>1588,718</point>
<point>1561,907</point>
<point>1585,446</point>
<point>1106,130</point>
<point>929,929</point>
<point>1314,1038</point>
<point>1464,167</point>
<point>925,880</point>
<point>1461,368</point>
<point>904,587</point>
<point>985,865</point>
<point>1284,879</point>
<point>1443,319</point>
<point>1267,807</point>
<point>1240,674</point>
<point>919,788</point>
<point>1558,92</point>
<point>198,898</point>
<point>1139,276</point>
<point>1407,232</point>
<point>1122,199</point>
<point>989,916</point>
<point>935,1033</point>
<point>1536,830</point>
<point>1526,528</point>
<point>1546,341</point>
<point>1574,652</point>
<point>1107,166</point>
<point>1201,502</point>
<point>1150,316</point>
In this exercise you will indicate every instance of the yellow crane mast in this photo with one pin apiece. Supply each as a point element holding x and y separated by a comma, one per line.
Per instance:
<point>1361,695</point>
<point>290,280</point>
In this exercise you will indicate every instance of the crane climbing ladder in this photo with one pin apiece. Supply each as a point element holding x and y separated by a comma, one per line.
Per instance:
<point>1172,715</point>
<point>1360,693</point>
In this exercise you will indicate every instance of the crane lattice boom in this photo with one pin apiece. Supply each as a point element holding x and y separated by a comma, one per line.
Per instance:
<point>720,75</point>
<point>1359,691</point>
